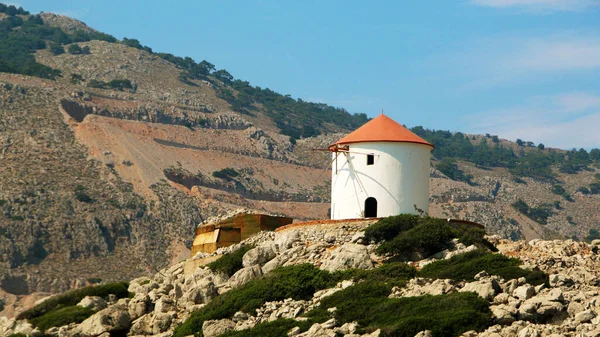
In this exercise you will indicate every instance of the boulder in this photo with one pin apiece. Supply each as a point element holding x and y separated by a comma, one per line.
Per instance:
<point>286,239</point>
<point>164,304</point>
<point>112,319</point>
<point>138,306</point>
<point>486,289</point>
<point>215,328</point>
<point>244,275</point>
<point>350,255</point>
<point>259,255</point>
<point>524,292</point>
<point>202,292</point>
<point>584,316</point>
<point>504,314</point>
<point>95,303</point>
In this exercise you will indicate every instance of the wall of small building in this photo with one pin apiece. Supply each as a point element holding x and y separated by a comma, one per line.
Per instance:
<point>398,179</point>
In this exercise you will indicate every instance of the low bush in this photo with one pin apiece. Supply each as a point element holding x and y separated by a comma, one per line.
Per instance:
<point>388,228</point>
<point>538,214</point>
<point>72,297</point>
<point>227,174</point>
<point>298,282</point>
<point>229,263</point>
<point>395,273</point>
<point>276,328</point>
<point>367,304</point>
<point>2,304</point>
<point>62,316</point>
<point>428,237</point>
<point>406,234</point>
<point>466,266</point>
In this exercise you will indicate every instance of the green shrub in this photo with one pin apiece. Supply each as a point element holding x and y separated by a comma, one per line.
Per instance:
<point>466,266</point>
<point>397,273</point>
<point>76,78</point>
<point>405,234</point>
<point>298,282</point>
<point>17,335</point>
<point>73,297</point>
<point>97,84</point>
<point>583,190</point>
<point>75,49</point>
<point>226,173</point>
<point>56,48</point>
<point>538,214</point>
<point>448,167</point>
<point>428,237</point>
<point>229,263</point>
<point>62,316</point>
<point>353,303</point>
<point>276,328</point>
<point>388,228</point>
<point>2,304</point>
<point>120,84</point>
<point>82,195</point>
<point>367,304</point>
<point>593,234</point>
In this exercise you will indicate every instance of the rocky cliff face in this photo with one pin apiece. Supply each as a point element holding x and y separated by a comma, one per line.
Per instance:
<point>566,306</point>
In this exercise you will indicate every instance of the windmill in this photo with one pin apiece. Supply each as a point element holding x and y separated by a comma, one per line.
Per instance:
<point>384,171</point>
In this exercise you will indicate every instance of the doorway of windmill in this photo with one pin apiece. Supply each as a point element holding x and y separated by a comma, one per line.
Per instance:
<point>371,208</point>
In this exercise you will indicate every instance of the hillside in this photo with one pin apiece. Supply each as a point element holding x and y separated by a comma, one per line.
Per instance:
<point>111,154</point>
<point>349,278</point>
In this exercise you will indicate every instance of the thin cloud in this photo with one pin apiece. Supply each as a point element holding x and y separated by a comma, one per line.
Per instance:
<point>539,5</point>
<point>491,63</point>
<point>566,120</point>
<point>551,55</point>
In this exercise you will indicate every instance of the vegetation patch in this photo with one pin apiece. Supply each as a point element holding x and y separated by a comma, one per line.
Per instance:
<point>539,214</point>
<point>227,173</point>
<point>62,316</point>
<point>394,273</point>
<point>298,282</point>
<point>448,167</point>
<point>72,297</point>
<point>466,266</point>
<point>367,304</point>
<point>231,262</point>
<point>276,328</point>
<point>406,234</point>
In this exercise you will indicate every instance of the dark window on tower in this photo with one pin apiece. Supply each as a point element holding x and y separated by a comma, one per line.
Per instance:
<point>370,159</point>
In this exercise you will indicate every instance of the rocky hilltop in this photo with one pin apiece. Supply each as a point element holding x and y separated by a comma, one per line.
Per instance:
<point>171,302</point>
<point>110,159</point>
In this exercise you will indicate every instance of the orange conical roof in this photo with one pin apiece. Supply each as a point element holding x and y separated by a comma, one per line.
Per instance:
<point>381,129</point>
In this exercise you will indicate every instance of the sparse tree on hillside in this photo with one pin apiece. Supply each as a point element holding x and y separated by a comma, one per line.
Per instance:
<point>56,48</point>
<point>223,75</point>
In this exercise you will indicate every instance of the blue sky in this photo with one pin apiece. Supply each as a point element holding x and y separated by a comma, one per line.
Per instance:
<point>526,69</point>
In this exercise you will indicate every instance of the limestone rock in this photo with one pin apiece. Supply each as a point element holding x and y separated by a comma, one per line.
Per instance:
<point>112,319</point>
<point>349,255</point>
<point>486,289</point>
<point>214,328</point>
<point>95,303</point>
<point>244,275</point>
<point>258,256</point>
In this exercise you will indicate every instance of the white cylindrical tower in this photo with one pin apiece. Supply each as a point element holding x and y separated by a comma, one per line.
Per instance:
<point>381,169</point>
